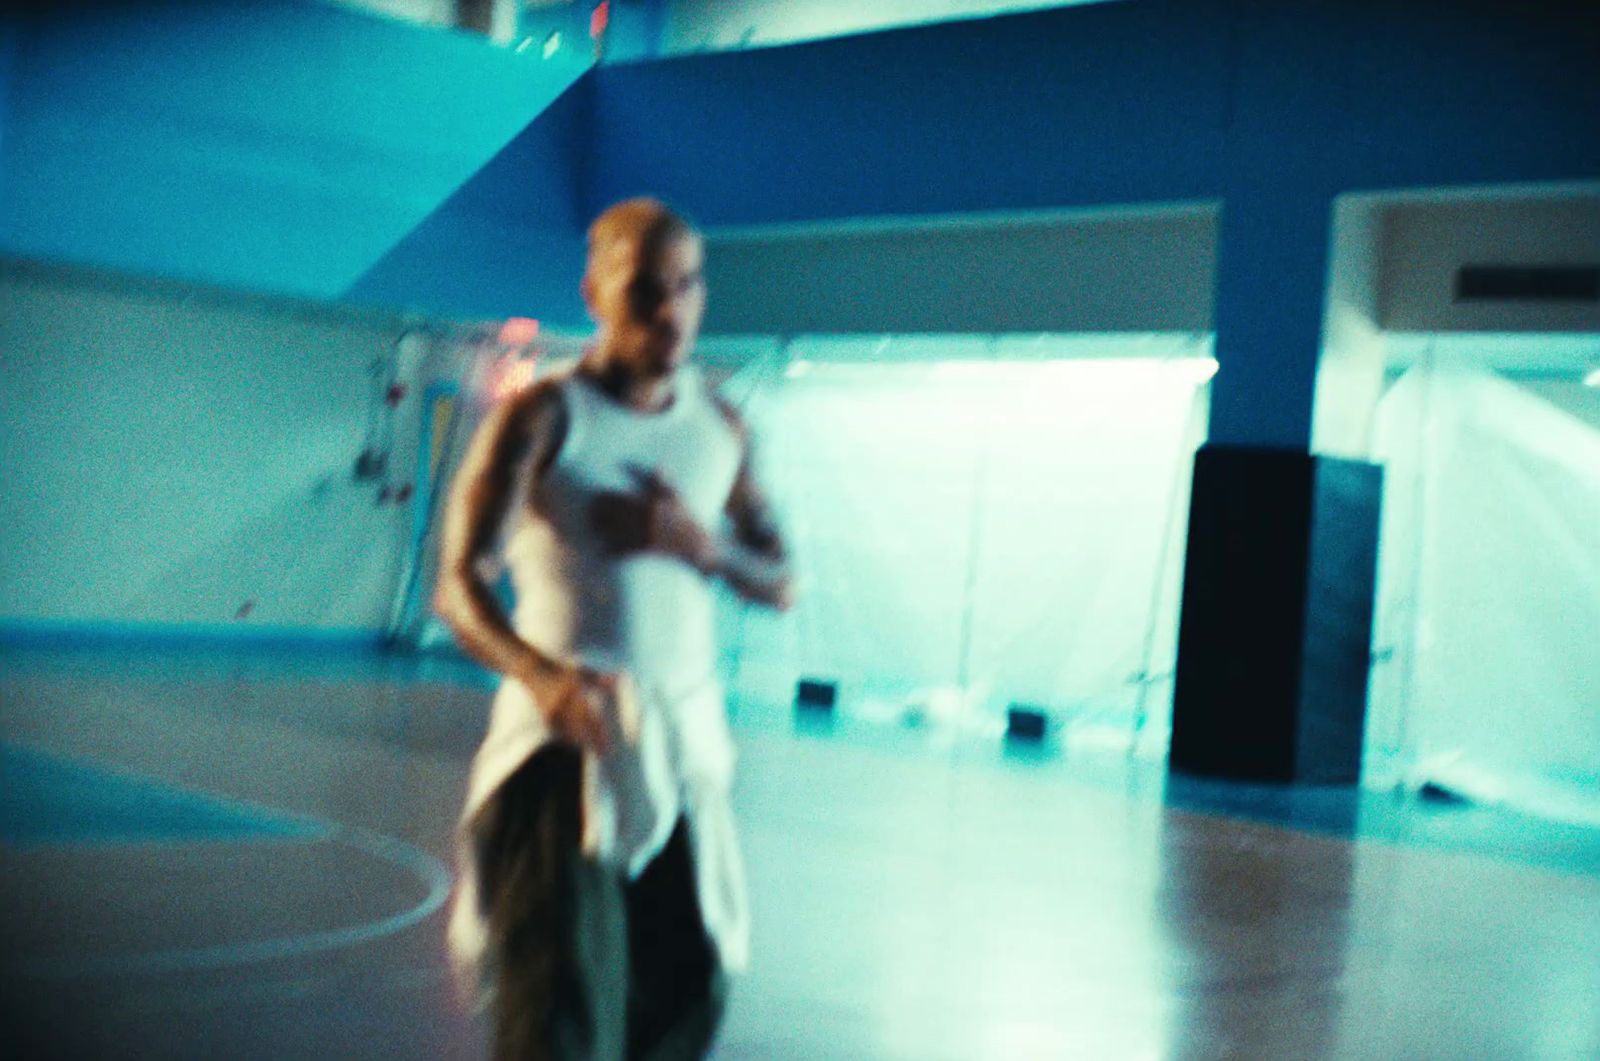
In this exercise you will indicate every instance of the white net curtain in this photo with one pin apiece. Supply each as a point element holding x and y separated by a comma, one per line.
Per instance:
<point>977,523</point>
<point>1488,622</point>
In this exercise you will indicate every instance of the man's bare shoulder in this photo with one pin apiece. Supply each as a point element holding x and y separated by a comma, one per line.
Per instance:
<point>538,400</point>
<point>530,423</point>
<point>531,412</point>
<point>731,414</point>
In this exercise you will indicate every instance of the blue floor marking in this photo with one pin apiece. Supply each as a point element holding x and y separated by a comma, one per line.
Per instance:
<point>52,799</point>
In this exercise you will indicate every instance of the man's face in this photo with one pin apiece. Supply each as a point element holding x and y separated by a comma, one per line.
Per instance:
<point>648,297</point>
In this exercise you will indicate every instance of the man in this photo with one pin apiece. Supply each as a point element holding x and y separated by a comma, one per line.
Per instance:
<point>602,897</point>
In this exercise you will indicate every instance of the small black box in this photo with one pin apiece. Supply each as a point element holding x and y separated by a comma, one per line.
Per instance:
<point>1275,634</point>
<point>813,695</point>
<point>1024,722</point>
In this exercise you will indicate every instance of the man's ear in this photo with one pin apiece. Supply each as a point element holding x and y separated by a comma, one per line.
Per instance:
<point>586,289</point>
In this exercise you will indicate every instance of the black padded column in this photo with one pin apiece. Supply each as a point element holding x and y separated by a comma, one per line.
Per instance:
<point>1275,635</point>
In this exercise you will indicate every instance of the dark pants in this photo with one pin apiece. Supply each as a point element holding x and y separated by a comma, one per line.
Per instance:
<point>588,964</point>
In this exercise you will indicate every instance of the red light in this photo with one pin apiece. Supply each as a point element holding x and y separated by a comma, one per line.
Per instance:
<point>519,331</point>
<point>599,20</point>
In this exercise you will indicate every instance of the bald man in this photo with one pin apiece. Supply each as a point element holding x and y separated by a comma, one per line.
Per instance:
<point>601,900</point>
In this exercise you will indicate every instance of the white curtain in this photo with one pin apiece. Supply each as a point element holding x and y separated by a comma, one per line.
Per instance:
<point>977,523</point>
<point>1487,673</point>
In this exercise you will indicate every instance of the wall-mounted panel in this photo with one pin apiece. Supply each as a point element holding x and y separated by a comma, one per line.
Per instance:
<point>1426,244</point>
<point>1080,272</point>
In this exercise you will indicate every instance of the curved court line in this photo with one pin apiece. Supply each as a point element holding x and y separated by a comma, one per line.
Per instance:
<point>189,959</point>
<point>110,805</point>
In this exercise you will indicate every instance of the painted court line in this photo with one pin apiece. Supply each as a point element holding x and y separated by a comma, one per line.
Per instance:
<point>52,799</point>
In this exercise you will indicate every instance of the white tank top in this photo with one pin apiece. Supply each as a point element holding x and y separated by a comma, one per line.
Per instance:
<point>649,614</point>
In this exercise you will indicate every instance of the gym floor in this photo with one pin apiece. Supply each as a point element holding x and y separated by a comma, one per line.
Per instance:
<point>242,853</point>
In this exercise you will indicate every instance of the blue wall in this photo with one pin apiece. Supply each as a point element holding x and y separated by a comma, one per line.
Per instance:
<point>1146,100</point>
<point>1107,103</point>
<point>290,146</point>
<point>279,145</point>
<point>507,243</point>
<point>1271,107</point>
<point>8,64</point>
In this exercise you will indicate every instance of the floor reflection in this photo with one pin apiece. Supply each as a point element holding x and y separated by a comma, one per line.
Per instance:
<point>914,897</point>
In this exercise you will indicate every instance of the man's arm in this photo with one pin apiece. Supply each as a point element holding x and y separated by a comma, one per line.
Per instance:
<point>522,432</point>
<point>753,561</point>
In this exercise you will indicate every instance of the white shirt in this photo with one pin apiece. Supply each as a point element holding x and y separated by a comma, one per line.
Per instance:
<point>646,616</point>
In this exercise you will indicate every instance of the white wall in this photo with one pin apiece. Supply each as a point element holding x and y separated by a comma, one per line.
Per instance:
<point>172,453</point>
<point>714,25</point>
<point>502,13</point>
<point>1350,373</point>
<point>427,12</point>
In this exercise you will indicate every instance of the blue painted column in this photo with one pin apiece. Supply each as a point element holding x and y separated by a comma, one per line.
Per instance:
<point>1271,274</point>
<point>1273,645</point>
<point>8,66</point>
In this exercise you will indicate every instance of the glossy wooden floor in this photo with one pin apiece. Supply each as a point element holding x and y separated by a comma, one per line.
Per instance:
<point>912,901</point>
